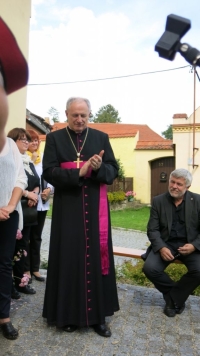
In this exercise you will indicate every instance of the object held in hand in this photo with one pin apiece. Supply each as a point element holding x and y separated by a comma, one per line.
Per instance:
<point>177,255</point>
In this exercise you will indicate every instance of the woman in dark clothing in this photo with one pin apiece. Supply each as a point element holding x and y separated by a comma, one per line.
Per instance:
<point>32,261</point>
<point>29,201</point>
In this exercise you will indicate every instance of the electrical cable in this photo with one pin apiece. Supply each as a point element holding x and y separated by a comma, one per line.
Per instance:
<point>109,78</point>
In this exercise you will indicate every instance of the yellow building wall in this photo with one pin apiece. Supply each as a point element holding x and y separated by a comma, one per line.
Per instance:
<point>124,150</point>
<point>185,138</point>
<point>142,177</point>
<point>136,164</point>
<point>42,145</point>
<point>16,14</point>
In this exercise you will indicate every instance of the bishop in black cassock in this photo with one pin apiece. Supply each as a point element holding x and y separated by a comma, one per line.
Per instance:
<point>81,286</point>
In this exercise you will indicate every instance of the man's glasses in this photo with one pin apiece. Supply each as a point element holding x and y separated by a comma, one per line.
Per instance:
<point>24,140</point>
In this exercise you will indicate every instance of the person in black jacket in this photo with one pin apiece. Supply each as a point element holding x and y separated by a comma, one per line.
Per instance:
<point>174,232</point>
<point>29,207</point>
<point>32,261</point>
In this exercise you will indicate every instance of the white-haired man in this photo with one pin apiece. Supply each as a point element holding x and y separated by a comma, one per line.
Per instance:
<point>174,232</point>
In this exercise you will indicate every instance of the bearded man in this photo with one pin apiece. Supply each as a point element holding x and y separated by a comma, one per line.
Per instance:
<point>174,232</point>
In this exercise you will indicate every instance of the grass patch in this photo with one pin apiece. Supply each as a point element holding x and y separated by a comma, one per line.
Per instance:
<point>129,274</point>
<point>49,212</point>
<point>135,219</point>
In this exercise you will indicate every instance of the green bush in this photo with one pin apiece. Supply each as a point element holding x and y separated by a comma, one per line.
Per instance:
<point>121,172</point>
<point>119,196</point>
<point>44,264</point>
<point>116,196</point>
<point>127,273</point>
<point>110,197</point>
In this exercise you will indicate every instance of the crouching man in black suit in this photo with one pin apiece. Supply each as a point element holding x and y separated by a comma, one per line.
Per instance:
<point>174,232</point>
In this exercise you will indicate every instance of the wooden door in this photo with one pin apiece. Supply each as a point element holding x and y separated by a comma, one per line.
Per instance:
<point>160,171</point>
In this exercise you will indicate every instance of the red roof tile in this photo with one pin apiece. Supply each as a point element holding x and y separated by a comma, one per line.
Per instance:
<point>113,130</point>
<point>155,145</point>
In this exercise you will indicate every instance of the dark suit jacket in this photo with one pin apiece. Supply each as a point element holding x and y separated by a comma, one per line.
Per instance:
<point>160,221</point>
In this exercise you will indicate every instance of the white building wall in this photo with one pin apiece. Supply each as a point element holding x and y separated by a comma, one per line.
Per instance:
<point>186,136</point>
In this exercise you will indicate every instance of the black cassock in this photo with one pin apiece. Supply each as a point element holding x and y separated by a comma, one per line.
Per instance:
<point>76,291</point>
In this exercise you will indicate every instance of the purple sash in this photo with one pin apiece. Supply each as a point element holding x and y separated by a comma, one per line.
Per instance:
<point>103,217</point>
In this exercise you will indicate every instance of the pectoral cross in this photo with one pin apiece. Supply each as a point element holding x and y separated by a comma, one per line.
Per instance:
<point>78,160</point>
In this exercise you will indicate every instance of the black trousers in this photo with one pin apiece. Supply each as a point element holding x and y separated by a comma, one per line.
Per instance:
<point>179,291</point>
<point>8,230</point>
<point>32,261</point>
<point>21,245</point>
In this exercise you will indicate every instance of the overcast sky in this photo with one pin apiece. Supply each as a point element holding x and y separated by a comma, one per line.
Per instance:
<point>80,43</point>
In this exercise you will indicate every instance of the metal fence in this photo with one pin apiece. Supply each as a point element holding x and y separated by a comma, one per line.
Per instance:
<point>124,184</point>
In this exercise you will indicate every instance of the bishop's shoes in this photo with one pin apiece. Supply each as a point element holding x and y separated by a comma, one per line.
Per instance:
<point>101,329</point>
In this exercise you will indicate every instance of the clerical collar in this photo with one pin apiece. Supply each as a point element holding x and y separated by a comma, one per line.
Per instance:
<point>77,133</point>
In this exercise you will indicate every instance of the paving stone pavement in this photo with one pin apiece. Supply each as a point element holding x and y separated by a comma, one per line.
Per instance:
<point>140,328</point>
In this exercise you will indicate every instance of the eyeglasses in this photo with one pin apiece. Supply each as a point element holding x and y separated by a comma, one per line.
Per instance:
<point>24,140</point>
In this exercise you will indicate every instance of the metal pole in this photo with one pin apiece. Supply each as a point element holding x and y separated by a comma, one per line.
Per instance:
<point>194,116</point>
